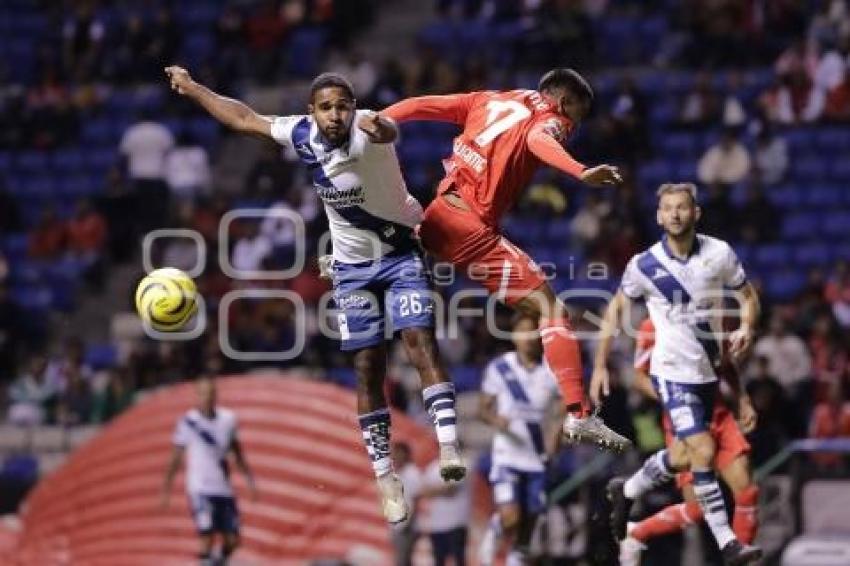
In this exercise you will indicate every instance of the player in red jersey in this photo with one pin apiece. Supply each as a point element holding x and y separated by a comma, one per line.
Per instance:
<point>506,136</point>
<point>731,461</point>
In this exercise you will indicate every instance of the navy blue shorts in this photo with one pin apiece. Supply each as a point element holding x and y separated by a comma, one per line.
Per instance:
<point>378,298</point>
<point>690,406</point>
<point>526,489</point>
<point>214,513</point>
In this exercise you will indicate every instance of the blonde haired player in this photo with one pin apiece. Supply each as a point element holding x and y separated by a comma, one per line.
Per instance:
<point>684,279</point>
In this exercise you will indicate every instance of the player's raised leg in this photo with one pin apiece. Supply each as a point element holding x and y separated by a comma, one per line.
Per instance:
<point>438,395</point>
<point>563,354</point>
<point>370,366</point>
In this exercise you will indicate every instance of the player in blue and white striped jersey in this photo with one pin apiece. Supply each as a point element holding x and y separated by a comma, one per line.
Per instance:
<point>685,280</point>
<point>517,391</point>
<point>381,285</point>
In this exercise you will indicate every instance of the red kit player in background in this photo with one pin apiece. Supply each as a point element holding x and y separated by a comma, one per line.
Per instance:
<point>506,136</point>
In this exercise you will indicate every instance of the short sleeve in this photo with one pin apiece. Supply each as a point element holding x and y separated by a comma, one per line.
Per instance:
<point>632,283</point>
<point>491,384</point>
<point>733,274</point>
<point>282,127</point>
<point>181,433</point>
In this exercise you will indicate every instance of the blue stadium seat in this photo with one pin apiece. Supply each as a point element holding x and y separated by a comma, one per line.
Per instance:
<point>837,223</point>
<point>66,161</point>
<point>785,196</point>
<point>559,231</point>
<point>809,168</point>
<point>204,130</point>
<point>199,47</point>
<point>5,161</point>
<point>15,247</point>
<point>823,196</point>
<point>101,160</point>
<point>97,131</point>
<point>31,161</point>
<point>841,251</point>
<point>439,35</point>
<point>784,285</point>
<point>305,49</point>
<point>840,170</point>
<point>800,139</point>
<point>652,31</point>
<point>679,145</point>
<point>772,255</point>
<point>654,173</point>
<point>831,140</point>
<point>817,253</point>
<point>101,356</point>
<point>198,14</point>
<point>800,225</point>
<point>34,298</point>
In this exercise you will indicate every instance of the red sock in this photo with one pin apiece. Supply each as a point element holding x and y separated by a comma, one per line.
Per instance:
<point>671,519</point>
<point>560,348</point>
<point>745,521</point>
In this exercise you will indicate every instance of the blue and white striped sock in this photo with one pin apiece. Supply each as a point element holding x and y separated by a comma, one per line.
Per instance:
<point>376,436</point>
<point>440,401</point>
<point>713,507</point>
<point>655,472</point>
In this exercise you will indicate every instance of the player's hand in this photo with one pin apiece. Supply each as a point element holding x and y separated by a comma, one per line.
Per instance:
<point>180,79</point>
<point>740,342</point>
<point>377,128</point>
<point>600,385</point>
<point>747,416</point>
<point>602,176</point>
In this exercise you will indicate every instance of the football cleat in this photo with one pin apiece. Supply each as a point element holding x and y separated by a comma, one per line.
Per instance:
<point>451,462</point>
<point>393,503</point>
<point>592,430</point>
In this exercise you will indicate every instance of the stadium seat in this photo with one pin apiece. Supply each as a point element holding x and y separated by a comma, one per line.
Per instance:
<point>680,145</point>
<point>785,196</point>
<point>199,47</point>
<point>304,49</point>
<point>809,168</point>
<point>15,247</point>
<point>772,255</point>
<point>831,140</point>
<point>66,161</point>
<point>101,356</point>
<point>823,196</point>
<point>841,251</point>
<point>801,225</point>
<point>101,160</point>
<point>837,223</point>
<point>840,170</point>
<point>784,285</point>
<point>799,139</point>
<point>31,161</point>
<point>559,231</point>
<point>814,254</point>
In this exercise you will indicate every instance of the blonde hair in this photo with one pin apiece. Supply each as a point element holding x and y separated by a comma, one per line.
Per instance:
<point>670,188</point>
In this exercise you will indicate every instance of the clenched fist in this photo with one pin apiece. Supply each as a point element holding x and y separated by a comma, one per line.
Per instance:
<point>181,81</point>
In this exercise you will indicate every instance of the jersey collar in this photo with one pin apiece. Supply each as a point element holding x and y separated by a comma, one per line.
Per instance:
<point>695,247</point>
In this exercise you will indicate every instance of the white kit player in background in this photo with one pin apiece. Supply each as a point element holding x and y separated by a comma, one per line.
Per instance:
<point>381,286</point>
<point>517,393</point>
<point>207,435</point>
<point>685,279</point>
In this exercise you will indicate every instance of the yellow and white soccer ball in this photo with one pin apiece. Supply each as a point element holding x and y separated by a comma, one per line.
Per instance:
<point>166,299</point>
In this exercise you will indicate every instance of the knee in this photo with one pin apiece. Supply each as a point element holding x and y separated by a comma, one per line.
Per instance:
<point>678,457</point>
<point>701,451</point>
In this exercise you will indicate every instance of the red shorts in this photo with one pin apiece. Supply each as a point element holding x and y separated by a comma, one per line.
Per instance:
<point>731,442</point>
<point>482,253</point>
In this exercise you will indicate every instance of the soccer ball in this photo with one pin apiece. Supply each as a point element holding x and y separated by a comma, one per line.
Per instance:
<point>165,299</point>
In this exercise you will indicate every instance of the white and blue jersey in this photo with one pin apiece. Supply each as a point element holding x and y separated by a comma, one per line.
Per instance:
<point>361,186</point>
<point>207,442</point>
<point>380,283</point>
<point>522,397</point>
<point>685,301</point>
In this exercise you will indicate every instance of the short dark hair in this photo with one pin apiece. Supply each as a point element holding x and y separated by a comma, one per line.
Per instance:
<point>569,79</point>
<point>326,80</point>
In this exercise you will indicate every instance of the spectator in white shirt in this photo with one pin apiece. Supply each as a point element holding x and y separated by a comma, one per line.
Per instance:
<point>251,250</point>
<point>145,145</point>
<point>788,358</point>
<point>187,169</point>
<point>726,162</point>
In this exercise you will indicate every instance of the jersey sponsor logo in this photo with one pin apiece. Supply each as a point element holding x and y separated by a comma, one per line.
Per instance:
<point>682,418</point>
<point>469,156</point>
<point>341,198</point>
<point>352,301</point>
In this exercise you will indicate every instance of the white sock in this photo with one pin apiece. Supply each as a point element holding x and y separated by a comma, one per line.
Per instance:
<point>440,401</point>
<point>655,472</point>
<point>713,507</point>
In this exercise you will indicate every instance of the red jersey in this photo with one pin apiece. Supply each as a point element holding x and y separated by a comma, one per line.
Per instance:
<point>495,156</point>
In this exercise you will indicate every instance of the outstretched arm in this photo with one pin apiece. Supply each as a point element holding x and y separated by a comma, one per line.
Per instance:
<point>232,113</point>
<point>548,150</point>
<point>448,108</point>
<point>599,383</point>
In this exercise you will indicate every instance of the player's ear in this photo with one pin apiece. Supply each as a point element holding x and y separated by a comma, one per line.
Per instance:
<point>658,217</point>
<point>697,214</point>
<point>310,108</point>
